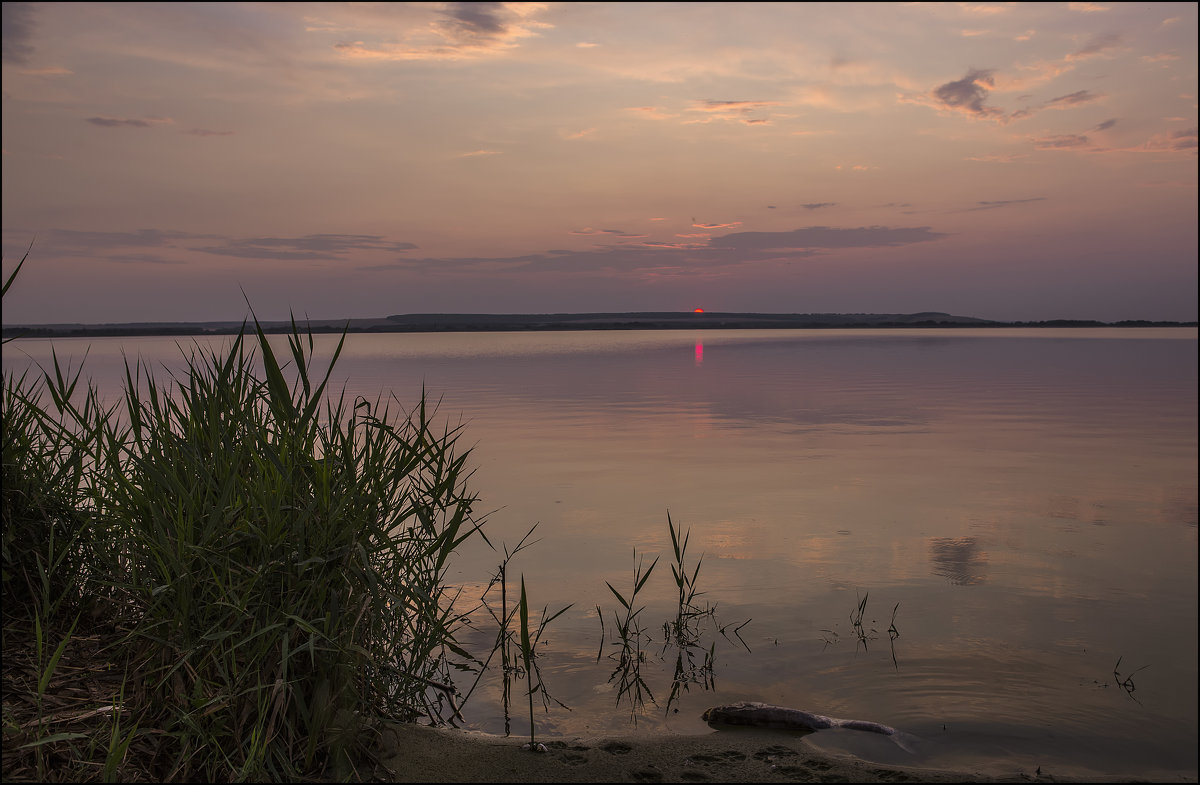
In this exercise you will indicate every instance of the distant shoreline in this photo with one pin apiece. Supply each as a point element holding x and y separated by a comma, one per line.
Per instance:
<point>426,323</point>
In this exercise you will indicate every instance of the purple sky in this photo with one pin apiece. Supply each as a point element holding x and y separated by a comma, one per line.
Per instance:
<point>1000,160</point>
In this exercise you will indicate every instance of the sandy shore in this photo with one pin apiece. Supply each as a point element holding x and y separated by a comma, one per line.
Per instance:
<point>414,753</point>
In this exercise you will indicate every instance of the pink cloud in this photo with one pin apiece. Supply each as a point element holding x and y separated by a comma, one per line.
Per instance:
<point>652,112</point>
<point>983,9</point>
<point>1167,142</point>
<point>1061,142</point>
<point>729,107</point>
<point>739,111</point>
<point>675,246</point>
<point>1076,98</point>
<point>965,96</point>
<point>1033,74</point>
<point>1096,46</point>
<point>1173,141</point>
<point>456,31</point>
<point>122,122</point>
<point>997,158</point>
<point>589,231</point>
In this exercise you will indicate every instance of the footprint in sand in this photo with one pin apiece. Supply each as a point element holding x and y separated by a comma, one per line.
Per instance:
<point>774,753</point>
<point>810,771</point>
<point>718,757</point>
<point>570,754</point>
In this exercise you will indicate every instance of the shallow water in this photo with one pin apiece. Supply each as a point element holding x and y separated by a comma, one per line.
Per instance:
<point>1025,501</point>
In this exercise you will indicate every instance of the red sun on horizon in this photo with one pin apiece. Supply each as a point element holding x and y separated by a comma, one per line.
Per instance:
<point>698,310</point>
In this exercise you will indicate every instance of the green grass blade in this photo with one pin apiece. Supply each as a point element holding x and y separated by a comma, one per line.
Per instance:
<point>48,670</point>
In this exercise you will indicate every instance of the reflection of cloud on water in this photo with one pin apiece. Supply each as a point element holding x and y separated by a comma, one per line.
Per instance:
<point>958,559</point>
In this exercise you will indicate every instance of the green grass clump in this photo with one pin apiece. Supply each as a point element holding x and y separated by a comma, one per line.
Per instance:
<point>49,535</point>
<point>258,566</point>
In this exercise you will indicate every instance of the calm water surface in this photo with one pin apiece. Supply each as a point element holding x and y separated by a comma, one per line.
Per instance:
<point>1025,501</point>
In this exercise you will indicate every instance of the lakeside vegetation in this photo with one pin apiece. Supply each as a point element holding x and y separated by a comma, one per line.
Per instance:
<point>231,575</point>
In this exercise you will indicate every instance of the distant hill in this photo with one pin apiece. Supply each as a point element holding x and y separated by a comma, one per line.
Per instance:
<point>671,320</point>
<point>489,322</point>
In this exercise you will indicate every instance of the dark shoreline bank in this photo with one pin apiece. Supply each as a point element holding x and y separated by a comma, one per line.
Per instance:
<point>424,323</point>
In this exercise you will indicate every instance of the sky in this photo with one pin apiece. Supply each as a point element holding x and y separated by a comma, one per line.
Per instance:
<point>1011,161</point>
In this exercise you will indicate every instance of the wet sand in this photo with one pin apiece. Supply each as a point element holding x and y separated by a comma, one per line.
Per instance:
<point>415,753</point>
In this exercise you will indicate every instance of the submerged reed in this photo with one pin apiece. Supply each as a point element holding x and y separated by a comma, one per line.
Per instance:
<point>694,664</point>
<point>524,639</point>
<point>630,636</point>
<point>530,638</point>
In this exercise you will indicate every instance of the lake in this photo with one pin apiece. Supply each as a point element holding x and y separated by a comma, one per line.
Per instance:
<point>1010,515</point>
